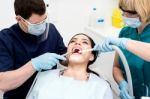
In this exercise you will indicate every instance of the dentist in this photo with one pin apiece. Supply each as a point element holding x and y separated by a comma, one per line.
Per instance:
<point>27,47</point>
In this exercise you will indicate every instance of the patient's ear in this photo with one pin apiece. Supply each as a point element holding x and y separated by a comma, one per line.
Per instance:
<point>91,57</point>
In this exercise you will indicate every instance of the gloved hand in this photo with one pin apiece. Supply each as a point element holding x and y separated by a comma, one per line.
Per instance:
<point>123,86</point>
<point>105,46</point>
<point>46,61</point>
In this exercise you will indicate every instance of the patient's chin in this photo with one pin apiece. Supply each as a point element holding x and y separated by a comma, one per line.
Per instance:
<point>71,61</point>
<point>76,59</point>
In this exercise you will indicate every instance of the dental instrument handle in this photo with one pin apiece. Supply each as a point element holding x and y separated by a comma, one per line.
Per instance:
<point>127,70</point>
<point>65,62</point>
<point>66,54</point>
<point>86,50</point>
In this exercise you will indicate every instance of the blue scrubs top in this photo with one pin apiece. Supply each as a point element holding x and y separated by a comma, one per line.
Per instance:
<point>18,47</point>
<point>140,69</point>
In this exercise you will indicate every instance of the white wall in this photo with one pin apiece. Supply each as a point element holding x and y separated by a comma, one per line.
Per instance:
<point>7,17</point>
<point>72,16</point>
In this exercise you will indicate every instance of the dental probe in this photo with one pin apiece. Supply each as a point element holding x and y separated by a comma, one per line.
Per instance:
<point>86,50</point>
<point>66,54</point>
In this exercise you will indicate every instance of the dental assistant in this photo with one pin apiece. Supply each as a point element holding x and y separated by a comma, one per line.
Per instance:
<point>27,47</point>
<point>136,14</point>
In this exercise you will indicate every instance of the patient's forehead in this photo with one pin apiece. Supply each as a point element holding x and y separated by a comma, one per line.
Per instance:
<point>81,36</point>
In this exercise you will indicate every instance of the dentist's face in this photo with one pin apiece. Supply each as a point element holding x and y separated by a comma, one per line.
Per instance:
<point>78,43</point>
<point>36,21</point>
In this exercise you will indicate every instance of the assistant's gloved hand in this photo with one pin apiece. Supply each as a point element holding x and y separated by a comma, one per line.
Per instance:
<point>123,86</point>
<point>105,46</point>
<point>46,61</point>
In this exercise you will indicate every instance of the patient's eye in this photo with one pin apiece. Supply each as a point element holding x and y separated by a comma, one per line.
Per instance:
<point>85,42</point>
<point>72,41</point>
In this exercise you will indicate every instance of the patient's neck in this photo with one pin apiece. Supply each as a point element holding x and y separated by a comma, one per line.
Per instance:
<point>77,71</point>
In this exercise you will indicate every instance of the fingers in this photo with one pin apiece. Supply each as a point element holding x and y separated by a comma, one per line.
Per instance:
<point>125,95</point>
<point>53,61</point>
<point>49,63</point>
<point>106,46</point>
<point>59,57</point>
<point>96,47</point>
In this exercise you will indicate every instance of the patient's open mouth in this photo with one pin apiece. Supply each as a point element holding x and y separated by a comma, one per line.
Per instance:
<point>76,50</point>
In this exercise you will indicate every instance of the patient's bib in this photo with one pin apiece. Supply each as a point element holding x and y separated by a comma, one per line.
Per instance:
<point>50,85</point>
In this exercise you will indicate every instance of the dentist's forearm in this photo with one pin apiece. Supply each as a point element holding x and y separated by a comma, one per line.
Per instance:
<point>140,49</point>
<point>12,79</point>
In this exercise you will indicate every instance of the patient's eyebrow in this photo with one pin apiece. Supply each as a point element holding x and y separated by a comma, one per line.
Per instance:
<point>83,39</point>
<point>86,40</point>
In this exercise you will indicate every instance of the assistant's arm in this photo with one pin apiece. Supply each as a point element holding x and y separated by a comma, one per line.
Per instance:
<point>140,49</point>
<point>117,73</point>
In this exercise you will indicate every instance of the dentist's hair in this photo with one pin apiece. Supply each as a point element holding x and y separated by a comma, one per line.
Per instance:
<point>95,53</point>
<point>141,7</point>
<point>26,8</point>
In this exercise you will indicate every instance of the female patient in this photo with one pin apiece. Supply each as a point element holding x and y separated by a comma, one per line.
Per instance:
<point>77,81</point>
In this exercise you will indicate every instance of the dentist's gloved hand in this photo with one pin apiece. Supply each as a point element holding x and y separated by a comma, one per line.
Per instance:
<point>123,86</point>
<point>46,61</point>
<point>105,46</point>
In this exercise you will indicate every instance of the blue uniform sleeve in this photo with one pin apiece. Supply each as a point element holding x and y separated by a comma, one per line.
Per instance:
<point>123,32</point>
<point>126,32</point>
<point>61,48</point>
<point>6,60</point>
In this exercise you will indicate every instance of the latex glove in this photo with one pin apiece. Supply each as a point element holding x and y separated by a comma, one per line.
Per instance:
<point>123,86</point>
<point>105,46</point>
<point>46,61</point>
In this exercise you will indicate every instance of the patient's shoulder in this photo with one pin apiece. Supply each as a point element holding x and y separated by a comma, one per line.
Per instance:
<point>98,79</point>
<point>101,84</point>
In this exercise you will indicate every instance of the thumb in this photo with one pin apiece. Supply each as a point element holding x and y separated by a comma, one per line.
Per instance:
<point>95,48</point>
<point>60,57</point>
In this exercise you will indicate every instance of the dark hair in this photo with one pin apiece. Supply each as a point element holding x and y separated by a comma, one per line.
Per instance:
<point>95,53</point>
<point>26,8</point>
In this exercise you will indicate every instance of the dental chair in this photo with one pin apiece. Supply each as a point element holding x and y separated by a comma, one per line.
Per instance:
<point>127,70</point>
